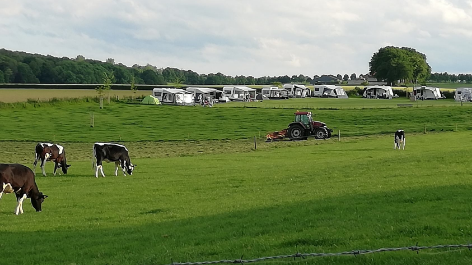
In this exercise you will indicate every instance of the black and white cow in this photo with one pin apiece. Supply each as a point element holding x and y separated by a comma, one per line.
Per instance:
<point>112,152</point>
<point>51,152</point>
<point>20,180</point>
<point>399,141</point>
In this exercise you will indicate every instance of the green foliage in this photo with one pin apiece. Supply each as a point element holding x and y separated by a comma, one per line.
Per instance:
<point>107,81</point>
<point>393,64</point>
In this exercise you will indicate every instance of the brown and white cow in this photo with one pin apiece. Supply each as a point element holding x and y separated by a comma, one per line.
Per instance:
<point>20,180</point>
<point>51,152</point>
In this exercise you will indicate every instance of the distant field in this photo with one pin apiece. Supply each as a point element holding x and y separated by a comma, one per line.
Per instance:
<point>22,95</point>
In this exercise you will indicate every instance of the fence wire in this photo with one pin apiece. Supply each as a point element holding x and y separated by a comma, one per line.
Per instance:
<point>345,253</point>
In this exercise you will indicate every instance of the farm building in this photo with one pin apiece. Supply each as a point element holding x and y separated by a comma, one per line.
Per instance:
<point>463,94</point>
<point>329,91</point>
<point>239,93</point>
<point>199,93</point>
<point>376,92</point>
<point>274,93</point>
<point>174,96</point>
<point>426,92</point>
<point>297,91</point>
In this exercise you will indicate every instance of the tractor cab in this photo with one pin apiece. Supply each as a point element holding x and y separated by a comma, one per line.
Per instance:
<point>304,118</point>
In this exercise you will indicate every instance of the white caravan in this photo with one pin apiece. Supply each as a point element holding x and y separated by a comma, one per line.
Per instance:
<point>297,91</point>
<point>174,96</point>
<point>200,93</point>
<point>426,92</point>
<point>384,92</point>
<point>463,94</point>
<point>274,92</point>
<point>329,91</point>
<point>239,93</point>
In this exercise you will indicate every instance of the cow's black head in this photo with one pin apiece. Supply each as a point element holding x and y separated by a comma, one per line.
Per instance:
<point>64,167</point>
<point>37,200</point>
<point>130,169</point>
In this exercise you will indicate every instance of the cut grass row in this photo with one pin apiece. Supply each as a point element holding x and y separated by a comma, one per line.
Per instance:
<point>122,122</point>
<point>313,196</point>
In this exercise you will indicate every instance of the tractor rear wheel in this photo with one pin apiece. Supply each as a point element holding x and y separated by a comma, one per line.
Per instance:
<point>321,133</point>
<point>296,132</point>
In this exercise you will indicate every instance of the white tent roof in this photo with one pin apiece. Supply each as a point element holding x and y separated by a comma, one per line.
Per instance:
<point>201,89</point>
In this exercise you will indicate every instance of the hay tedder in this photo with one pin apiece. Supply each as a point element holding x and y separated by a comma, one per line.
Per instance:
<point>303,127</point>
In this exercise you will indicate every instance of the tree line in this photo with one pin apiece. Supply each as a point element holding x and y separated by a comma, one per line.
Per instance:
<point>21,67</point>
<point>389,63</point>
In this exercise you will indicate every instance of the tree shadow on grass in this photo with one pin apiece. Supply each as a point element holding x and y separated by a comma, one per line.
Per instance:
<point>427,216</point>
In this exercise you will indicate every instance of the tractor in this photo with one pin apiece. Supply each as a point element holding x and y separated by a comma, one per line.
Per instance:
<point>305,126</point>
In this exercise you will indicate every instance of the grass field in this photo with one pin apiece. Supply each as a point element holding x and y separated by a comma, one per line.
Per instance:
<point>321,196</point>
<point>134,122</point>
<point>202,192</point>
<point>22,95</point>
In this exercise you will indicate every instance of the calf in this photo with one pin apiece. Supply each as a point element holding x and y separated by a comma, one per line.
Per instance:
<point>112,152</point>
<point>51,152</point>
<point>20,180</point>
<point>399,140</point>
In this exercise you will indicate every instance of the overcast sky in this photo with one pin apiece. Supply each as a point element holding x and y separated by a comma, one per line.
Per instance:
<point>242,37</point>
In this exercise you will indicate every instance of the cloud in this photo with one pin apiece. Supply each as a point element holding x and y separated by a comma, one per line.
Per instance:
<point>244,37</point>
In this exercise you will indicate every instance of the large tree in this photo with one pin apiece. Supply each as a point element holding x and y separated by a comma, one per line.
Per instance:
<point>395,64</point>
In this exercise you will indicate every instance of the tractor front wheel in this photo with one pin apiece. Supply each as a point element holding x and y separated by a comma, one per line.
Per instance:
<point>296,132</point>
<point>321,133</point>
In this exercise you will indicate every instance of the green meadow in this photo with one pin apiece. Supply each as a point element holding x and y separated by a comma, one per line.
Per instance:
<point>207,187</point>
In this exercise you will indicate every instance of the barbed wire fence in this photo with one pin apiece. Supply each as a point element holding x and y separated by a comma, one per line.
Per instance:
<point>345,253</point>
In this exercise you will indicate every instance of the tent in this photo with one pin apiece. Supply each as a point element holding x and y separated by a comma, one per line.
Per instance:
<point>426,92</point>
<point>274,93</point>
<point>297,91</point>
<point>150,100</point>
<point>377,92</point>
<point>239,93</point>
<point>173,96</point>
<point>329,91</point>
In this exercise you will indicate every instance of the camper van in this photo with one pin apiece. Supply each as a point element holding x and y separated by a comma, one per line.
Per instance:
<point>426,92</point>
<point>378,92</point>
<point>463,94</point>
<point>274,92</point>
<point>297,91</point>
<point>239,93</point>
<point>329,91</point>
<point>173,96</point>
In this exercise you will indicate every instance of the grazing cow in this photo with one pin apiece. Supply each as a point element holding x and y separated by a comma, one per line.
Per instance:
<point>400,140</point>
<point>51,152</point>
<point>20,179</point>
<point>112,152</point>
